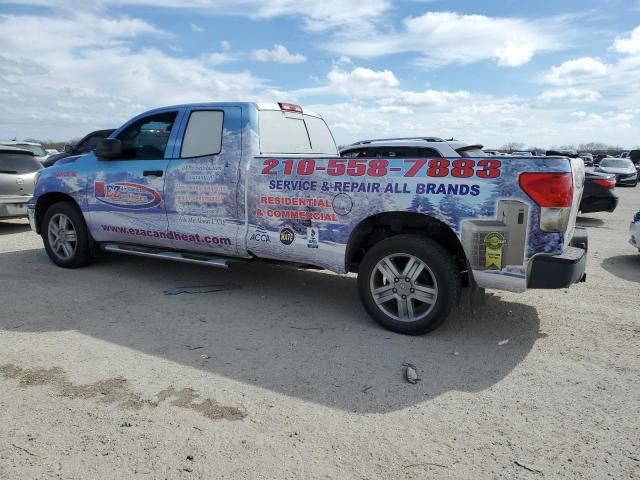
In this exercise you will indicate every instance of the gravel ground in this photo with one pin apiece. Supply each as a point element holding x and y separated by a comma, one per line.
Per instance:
<point>281,374</point>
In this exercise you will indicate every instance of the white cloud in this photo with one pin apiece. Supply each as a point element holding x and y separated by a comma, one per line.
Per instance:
<point>570,95</point>
<point>514,54</point>
<point>278,54</point>
<point>628,43</point>
<point>315,15</point>
<point>225,45</point>
<point>576,71</point>
<point>68,79</point>
<point>196,28</point>
<point>442,38</point>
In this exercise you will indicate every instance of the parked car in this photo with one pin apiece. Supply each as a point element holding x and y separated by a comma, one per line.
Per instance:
<point>623,168</point>
<point>598,158</point>
<point>587,158</point>
<point>87,144</point>
<point>18,169</point>
<point>562,153</point>
<point>624,155</point>
<point>522,154</point>
<point>274,188</point>
<point>635,231</point>
<point>51,151</point>
<point>412,147</point>
<point>36,148</point>
<point>599,193</point>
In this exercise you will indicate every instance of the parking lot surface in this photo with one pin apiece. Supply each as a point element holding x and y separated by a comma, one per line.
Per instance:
<point>119,371</point>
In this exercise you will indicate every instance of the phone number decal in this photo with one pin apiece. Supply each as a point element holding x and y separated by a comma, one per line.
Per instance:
<point>421,167</point>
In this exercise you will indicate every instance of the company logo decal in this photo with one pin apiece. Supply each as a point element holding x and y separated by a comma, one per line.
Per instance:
<point>287,236</point>
<point>260,235</point>
<point>127,195</point>
<point>312,237</point>
<point>342,204</point>
<point>494,243</point>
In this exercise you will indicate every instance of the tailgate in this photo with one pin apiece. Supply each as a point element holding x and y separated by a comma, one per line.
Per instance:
<point>578,172</point>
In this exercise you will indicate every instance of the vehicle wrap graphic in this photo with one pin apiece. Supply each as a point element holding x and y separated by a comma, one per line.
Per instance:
<point>126,195</point>
<point>305,210</point>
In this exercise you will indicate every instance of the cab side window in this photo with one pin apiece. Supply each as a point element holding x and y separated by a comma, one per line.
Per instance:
<point>147,138</point>
<point>203,135</point>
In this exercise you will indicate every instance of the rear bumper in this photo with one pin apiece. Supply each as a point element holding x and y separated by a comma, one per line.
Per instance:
<point>599,203</point>
<point>13,206</point>
<point>561,271</point>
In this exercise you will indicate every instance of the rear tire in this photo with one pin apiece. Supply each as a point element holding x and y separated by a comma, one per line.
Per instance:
<point>65,236</point>
<point>408,284</point>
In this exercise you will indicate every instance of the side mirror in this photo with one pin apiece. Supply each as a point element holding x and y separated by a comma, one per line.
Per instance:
<point>109,149</point>
<point>68,148</point>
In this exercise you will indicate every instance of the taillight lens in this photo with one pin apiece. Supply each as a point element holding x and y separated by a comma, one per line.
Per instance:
<point>548,189</point>
<point>605,182</point>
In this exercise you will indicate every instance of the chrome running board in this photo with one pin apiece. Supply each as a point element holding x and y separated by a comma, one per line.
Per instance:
<point>195,258</point>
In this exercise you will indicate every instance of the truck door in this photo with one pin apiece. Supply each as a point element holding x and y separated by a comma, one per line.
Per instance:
<point>202,181</point>
<point>125,198</point>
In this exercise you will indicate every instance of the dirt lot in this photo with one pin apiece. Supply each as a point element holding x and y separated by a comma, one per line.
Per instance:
<point>283,375</point>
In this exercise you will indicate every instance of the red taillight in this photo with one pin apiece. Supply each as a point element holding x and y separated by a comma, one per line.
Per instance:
<point>605,182</point>
<point>290,107</point>
<point>548,189</point>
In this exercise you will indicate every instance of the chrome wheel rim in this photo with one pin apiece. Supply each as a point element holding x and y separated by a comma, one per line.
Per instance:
<point>403,287</point>
<point>63,237</point>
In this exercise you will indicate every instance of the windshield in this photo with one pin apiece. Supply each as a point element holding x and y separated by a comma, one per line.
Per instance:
<point>18,163</point>
<point>615,163</point>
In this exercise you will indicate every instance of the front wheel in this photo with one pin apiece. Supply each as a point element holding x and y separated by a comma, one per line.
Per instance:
<point>65,236</point>
<point>408,284</point>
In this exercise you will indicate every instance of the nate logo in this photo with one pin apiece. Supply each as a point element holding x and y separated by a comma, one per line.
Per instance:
<point>287,236</point>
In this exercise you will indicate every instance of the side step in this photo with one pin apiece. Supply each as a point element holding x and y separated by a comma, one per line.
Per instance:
<point>196,258</point>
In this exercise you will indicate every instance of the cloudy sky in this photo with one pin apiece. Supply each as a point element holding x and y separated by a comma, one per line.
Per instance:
<point>545,73</point>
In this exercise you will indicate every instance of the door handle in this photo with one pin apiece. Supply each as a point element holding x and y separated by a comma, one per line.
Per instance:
<point>152,173</point>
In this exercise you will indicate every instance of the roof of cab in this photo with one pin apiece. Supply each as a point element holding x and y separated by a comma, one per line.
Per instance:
<point>257,105</point>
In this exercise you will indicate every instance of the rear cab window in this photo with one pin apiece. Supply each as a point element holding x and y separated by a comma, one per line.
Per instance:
<point>285,132</point>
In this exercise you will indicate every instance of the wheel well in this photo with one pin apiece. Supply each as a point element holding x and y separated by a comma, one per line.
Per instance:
<point>384,225</point>
<point>48,199</point>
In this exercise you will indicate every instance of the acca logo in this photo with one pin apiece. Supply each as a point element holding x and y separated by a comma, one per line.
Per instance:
<point>260,235</point>
<point>287,236</point>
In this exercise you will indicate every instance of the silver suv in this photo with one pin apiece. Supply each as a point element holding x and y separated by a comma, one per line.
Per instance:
<point>18,169</point>
<point>412,147</point>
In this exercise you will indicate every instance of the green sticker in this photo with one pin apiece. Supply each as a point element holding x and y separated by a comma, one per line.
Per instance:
<point>494,243</point>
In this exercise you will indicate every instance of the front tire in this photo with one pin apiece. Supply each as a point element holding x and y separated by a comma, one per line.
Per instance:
<point>408,284</point>
<point>65,236</point>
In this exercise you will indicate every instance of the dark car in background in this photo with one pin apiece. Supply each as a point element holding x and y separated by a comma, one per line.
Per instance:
<point>86,145</point>
<point>599,193</point>
<point>623,168</point>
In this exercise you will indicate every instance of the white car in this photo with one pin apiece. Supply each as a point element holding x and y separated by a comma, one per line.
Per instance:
<point>635,231</point>
<point>36,148</point>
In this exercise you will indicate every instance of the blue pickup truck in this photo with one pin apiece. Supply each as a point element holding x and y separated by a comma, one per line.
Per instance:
<point>217,183</point>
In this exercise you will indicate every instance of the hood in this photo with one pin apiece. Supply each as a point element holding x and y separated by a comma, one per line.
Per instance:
<point>618,171</point>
